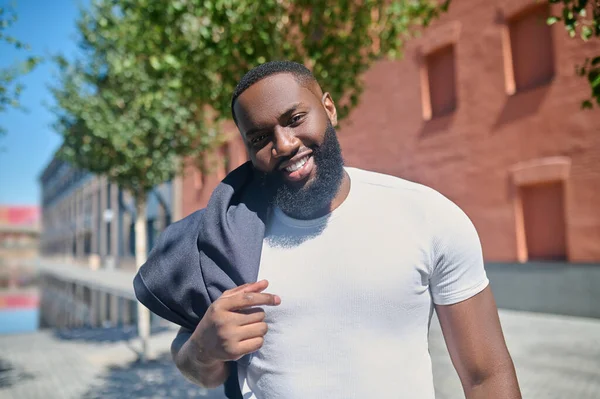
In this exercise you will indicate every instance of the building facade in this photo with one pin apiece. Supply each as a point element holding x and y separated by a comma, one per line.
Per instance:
<point>87,219</point>
<point>196,185</point>
<point>485,107</point>
<point>19,238</point>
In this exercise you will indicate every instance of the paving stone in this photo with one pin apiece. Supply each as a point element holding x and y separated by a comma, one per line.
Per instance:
<point>555,357</point>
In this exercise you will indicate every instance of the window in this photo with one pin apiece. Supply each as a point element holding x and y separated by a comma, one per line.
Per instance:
<point>108,195</point>
<point>539,202</point>
<point>531,50</point>
<point>108,238</point>
<point>132,239</point>
<point>441,82</point>
<point>544,220</point>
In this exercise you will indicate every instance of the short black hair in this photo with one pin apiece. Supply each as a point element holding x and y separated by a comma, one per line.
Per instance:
<point>302,74</point>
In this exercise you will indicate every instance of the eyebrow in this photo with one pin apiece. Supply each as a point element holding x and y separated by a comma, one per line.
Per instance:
<point>286,114</point>
<point>290,110</point>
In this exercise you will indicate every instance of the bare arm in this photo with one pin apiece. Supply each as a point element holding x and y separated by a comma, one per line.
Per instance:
<point>187,358</point>
<point>477,348</point>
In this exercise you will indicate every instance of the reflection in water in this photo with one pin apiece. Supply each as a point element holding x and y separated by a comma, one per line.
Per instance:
<point>19,312</point>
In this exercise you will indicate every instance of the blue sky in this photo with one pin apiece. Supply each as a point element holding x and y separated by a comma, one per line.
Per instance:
<point>49,28</point>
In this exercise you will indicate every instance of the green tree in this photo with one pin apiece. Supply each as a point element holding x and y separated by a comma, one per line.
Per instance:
<point>205,46</point>
<point>156,77</point>
<point>10,89</point>
<point>119,121</point>
<point>582,18</point>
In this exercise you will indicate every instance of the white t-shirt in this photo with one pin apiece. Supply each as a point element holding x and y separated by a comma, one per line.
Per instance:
<point>357,289</point>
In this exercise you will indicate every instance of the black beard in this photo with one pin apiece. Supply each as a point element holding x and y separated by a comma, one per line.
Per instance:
<point>307,201</point>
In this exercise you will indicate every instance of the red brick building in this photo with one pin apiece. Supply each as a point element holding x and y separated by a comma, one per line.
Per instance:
<point>19,240</point>
<point>485,108</point>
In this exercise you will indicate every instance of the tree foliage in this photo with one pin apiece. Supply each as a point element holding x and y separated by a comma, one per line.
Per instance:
<point>582,18</point>
<point>157,76</point>
<point>116,118</point>
<point>122,127</point>
<point>10,88</point>
<point>205,46</point>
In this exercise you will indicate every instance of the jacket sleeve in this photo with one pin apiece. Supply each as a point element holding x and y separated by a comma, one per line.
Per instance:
<point>170,283</point>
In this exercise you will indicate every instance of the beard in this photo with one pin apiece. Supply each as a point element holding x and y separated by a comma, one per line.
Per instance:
<point>304,202</point>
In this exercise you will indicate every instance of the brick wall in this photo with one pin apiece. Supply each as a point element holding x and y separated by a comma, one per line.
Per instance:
<point>470,153</point>
<point>197,186</point>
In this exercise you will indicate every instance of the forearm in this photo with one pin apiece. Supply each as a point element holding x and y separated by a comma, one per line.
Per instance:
<point>188,359</point>
<point>500,385</point>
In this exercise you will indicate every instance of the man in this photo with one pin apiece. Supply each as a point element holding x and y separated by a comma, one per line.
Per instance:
<point>354,262</point>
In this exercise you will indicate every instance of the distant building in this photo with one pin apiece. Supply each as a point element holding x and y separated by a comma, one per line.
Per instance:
<point>485,108</point>
<point>19,237</point>
<point>86,219</point>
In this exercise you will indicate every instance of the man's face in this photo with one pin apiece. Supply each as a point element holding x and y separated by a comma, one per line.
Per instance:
<point>288,130</point>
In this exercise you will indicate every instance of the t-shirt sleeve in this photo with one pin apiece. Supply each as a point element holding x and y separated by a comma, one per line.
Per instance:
<point>456,257</point>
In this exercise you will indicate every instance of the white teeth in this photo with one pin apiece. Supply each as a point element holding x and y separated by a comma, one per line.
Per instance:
<point>297,165</point>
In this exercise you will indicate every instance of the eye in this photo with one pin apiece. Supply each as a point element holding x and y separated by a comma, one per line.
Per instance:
<point>258,138</point>
<point>294,120</point>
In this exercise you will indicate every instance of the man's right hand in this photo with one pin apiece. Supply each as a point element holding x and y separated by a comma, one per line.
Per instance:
<point>233,326</point>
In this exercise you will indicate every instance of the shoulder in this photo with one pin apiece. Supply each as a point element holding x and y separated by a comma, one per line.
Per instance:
<point>421,202</point>
<point>397,188</point>
<point>190,220</point>
<point>186,228</point>
<point>375,179</point>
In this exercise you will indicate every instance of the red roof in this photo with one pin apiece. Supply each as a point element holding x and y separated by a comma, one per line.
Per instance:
<point>19,215</point>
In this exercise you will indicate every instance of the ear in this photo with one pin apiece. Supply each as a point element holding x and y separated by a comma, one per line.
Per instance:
<point>329,106</point>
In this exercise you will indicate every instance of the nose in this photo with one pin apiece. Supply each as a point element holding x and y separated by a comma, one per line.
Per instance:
<point>285,143</point>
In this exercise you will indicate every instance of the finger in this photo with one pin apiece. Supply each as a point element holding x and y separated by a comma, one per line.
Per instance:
<point>249,299</point>
<point>234,290</point>
<point>258,286</point>
<point>250,345</point>
<point>250,331</point>
<point>247,316</point>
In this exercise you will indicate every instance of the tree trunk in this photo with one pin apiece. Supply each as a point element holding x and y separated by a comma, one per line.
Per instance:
<point>143,319</point>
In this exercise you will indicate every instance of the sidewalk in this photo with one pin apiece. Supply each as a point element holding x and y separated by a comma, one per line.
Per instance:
<point>115,281</point>
<point>90,363</point>
<point>555,356</point>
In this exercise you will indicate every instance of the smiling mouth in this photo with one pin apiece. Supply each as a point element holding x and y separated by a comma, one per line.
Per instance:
<point>298,168</point>
<point>297,165</point>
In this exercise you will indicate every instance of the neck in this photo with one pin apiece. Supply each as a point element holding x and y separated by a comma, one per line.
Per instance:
<point>342,193</point>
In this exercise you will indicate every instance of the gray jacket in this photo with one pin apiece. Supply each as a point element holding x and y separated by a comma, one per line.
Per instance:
<point>212,250</point>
